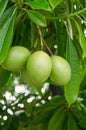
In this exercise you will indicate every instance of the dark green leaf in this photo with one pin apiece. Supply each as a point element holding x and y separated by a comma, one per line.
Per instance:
<point>57,120</point>
<point>37,17</point>
<point>81,117</point>
<point>71,124</point>
<point>82,122</point>
<point>39,4</point>
<point>4,76</point>
<point>9,85</point>
<point>52,104</point>
<point>72,88</point>
<point>3,4</point>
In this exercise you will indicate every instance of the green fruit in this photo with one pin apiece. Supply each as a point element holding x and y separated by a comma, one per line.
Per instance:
<point>26,79</point>
<point>61,71</point>
<point>38,67</point>
<point>16,58</point>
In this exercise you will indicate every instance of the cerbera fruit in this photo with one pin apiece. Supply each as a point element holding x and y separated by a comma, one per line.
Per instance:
<point>61,71</point>
<point>38,68</point>
<point>16,58</point>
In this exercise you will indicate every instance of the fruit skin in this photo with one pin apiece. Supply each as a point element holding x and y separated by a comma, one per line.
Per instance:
<point>26,79</point>
<point>61,71</point>
<point>16,58</point>
<point>38,67</point>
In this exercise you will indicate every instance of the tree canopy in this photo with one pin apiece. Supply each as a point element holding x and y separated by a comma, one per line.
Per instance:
<point>56,27</point>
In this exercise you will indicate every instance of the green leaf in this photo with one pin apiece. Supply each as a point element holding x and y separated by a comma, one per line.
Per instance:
<point>82,121</point>
<point>72,88</point>
<point>56,101</point>
<point>71,124</point>
<point>4,76</point>
<point>61,38</point>
<point>39,4</point>
<point>9,83</point>
<point>54,3</point>
<point>57,120</point>
<point>81,117</point>
<point>82,39</point>
<point>3,4</point>
<point>5,17</point>
<point>37,17</point>
<point>46,110</point>
<point>6,33</point>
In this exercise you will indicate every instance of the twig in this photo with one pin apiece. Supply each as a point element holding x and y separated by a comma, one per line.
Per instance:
<point>68,15</point>
<point>43,41</point>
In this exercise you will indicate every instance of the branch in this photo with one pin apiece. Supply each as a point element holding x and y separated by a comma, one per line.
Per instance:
<point>43,41</point>
<point>68,15</point>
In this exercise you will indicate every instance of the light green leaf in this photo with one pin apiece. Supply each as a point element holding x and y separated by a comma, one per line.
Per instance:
<point>3,4</point>
<point>72,88</point>
<point>39,4</point>
<point>82,39</point>
<point>54,3</point>
<point>6,33</point>
<point>37,17</point>
<point>5,16</point>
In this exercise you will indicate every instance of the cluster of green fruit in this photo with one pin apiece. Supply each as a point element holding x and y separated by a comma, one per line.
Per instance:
<point>37,67</point>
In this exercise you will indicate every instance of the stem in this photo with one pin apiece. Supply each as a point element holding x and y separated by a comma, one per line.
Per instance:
<point>40,35</point>
<point>68,15</point>
<point>47,47</point>
<point>32,32</point>
<point>76,13</point>
<point>43,41</point>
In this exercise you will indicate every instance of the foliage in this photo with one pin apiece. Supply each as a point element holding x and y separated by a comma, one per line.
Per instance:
<point>56,27</point>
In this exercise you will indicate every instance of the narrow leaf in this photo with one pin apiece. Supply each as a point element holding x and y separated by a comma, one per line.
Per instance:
<point>57,119</point>
<point>37,17</point>
<point>54,3</point>
<point>71,124</point>
<point>3,4</point>
<point>39,4</point>
<point>72,88</point>
<point>4,76</point>
<point>52,104</point>
<point>6,33</point>
<point>81,117</point>
<point>5,16</point>
<point>82,39</point>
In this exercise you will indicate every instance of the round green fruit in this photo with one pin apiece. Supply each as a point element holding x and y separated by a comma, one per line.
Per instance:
<point>26,79</point>
<point>16,58</point>
<point>61,71</point>
<point>38,67</point>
